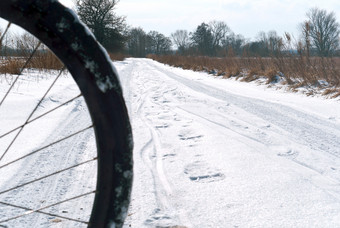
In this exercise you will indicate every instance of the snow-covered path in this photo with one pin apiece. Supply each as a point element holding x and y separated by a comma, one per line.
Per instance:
<point>219,153</point>
<point>209,152</point>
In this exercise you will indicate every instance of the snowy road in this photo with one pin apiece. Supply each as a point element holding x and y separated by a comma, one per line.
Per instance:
<point>208,152</point>
<point>219,153</point>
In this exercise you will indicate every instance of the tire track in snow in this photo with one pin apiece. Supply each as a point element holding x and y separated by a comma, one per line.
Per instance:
<point>314,131</point>
<point>302,130</point>
<point>151,153</point>
<point>268,124</point>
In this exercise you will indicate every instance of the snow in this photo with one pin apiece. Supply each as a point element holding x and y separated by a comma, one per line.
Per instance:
<point>208,152</point>
<point>48,129</point>
<point>212,152</point>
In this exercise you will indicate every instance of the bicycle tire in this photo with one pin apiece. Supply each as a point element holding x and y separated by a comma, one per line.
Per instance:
<point>63,33</point>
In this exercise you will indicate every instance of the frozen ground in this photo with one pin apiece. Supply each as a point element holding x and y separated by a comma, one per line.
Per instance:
<point>208,152</point>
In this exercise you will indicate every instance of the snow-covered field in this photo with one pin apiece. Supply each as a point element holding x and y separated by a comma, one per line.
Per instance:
<point>208,152</point>
<point>66,120</point>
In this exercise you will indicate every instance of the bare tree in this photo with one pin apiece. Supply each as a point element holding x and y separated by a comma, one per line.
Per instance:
<point>234,43</point>
<point>219,31</point>
<point>157,43</point>
<point>137,42</point>
<point>260,47</point>
<point>107,27</point>
<point>267,44</point>
<point>181,40</point>
<point>274,43</point>
<point>324,31</point>
<point>26,43</point>
<point>1,32</point>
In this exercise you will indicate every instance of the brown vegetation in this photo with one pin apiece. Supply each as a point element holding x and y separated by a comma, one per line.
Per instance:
<point>294,70</point>
<point>45,61</point>
<point>118,56</point>
<point>25,51</point>
<point>42,61</point>
<point>10,65</point>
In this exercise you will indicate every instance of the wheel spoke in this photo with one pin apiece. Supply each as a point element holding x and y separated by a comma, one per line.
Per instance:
<point>49,175</point>
<point>40,116</point>
<point>21,70</point>
<point>21,127</point>
<point>30,211</point>
<point>30,115</point>
<point>6,30</point>
<point>44,147</point>
<point>62,32</point>
<point>30,57</point>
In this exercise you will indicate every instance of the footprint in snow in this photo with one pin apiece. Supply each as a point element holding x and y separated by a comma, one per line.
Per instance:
<point>159,219</point>
<point>201,172</point>
<point>162,126</point>
<point>186,137</point>
<point>291,154</point>
<point>169,155</point>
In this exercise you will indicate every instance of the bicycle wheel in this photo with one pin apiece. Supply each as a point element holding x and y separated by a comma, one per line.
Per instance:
<point>61,31</point>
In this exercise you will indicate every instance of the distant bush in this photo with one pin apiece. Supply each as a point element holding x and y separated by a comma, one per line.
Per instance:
<point>117,56</point>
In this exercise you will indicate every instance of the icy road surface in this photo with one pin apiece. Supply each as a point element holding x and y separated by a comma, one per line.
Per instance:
<point>211,152</point>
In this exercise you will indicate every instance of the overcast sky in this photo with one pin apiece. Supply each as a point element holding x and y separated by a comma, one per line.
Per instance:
<point>246,17</point>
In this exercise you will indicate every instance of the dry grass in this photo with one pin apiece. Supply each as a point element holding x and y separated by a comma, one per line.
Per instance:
<point>271,74</point>
<point>330,91</point>
<point>296,71</point>
<point>20,48</point>
<point>10,66</point>
<point>336,95</point>
<point>41,61</point>
<point>117,56</point>
<point>45,61</point>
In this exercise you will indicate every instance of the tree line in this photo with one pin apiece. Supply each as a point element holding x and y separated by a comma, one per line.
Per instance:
<point>319,36</point>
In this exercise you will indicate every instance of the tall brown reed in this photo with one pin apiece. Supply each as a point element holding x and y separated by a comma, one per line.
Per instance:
<point>294,68</point>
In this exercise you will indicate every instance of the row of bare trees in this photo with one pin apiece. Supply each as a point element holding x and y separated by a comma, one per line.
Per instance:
<point>16,44</point>
<point>319,36</point>
<point>140,43</point>
<point>217,39</point>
